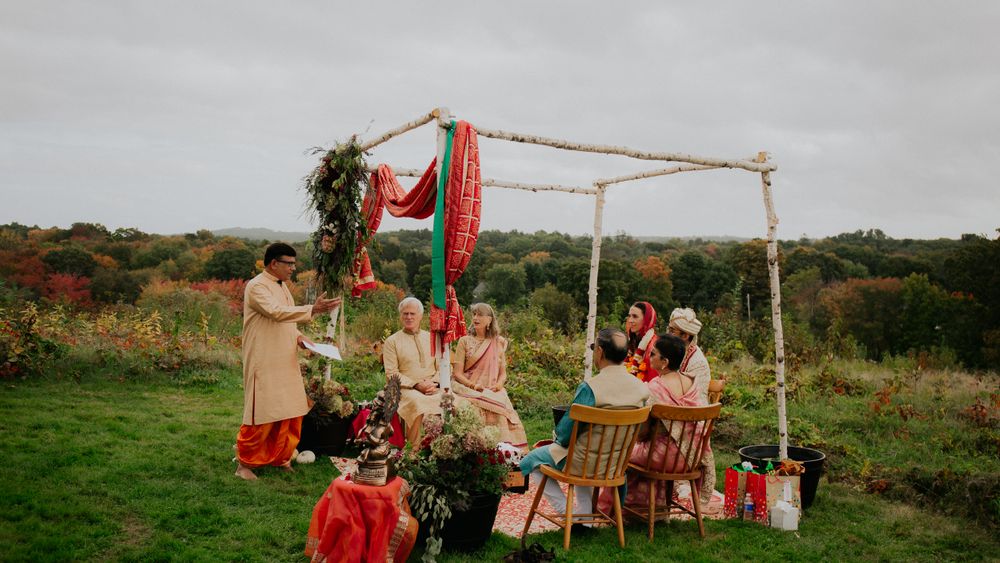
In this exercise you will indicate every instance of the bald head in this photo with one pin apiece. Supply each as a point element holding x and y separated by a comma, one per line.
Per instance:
<point>613,344</point>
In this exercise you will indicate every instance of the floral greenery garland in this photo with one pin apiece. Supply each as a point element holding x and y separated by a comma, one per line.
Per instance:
<point>335,189</point>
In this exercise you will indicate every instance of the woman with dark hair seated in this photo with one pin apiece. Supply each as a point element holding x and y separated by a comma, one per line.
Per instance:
<point>640,326</point>
<point>669,388</point>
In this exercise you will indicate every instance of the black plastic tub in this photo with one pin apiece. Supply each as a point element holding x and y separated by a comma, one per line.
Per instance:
<point>324,435</point>
<point>813,461</point>
<point>558,411</point>
<point>467,530</point>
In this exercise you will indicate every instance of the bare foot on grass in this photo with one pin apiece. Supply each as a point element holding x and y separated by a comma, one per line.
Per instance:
<point>243,472</point>
<point>287,468</point>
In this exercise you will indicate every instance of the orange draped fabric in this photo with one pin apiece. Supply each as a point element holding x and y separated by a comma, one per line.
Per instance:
<point>463,207</point>
<point>355,523</point>
<point>384,192</point>
<point>268,444</point>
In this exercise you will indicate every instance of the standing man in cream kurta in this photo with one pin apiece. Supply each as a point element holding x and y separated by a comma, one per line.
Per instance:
<point>407,353</point>
<point>274,399</point>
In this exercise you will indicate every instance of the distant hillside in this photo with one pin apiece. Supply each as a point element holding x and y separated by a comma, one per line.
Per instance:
<point>707,238</point>
<point>261,233</point>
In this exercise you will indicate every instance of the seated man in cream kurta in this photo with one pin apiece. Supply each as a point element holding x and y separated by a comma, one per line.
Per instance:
<point>407,353</point>
<point>612,388</point>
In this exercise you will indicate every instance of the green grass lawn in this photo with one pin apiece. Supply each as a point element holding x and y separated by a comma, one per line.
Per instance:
<point>108,470</point>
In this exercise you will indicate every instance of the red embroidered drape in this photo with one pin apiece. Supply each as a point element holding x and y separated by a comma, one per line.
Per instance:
<point>463,207</point>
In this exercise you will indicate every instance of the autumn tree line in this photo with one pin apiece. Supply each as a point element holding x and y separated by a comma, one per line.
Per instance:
<point>860,294</point>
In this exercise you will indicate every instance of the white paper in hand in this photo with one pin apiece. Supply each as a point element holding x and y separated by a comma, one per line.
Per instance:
<point>328,350</point>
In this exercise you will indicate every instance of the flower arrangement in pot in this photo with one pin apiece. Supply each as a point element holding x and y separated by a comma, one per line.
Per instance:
<point>325,426</point>
<point>456,477</point>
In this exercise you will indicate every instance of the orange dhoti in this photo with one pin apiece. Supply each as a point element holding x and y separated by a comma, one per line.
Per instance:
<point>268,444</point>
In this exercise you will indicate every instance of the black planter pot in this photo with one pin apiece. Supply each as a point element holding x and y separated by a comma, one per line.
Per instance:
<point>558,411</point>
<point>811,459</point>
<point>324,434</point>
<point>467,530</point>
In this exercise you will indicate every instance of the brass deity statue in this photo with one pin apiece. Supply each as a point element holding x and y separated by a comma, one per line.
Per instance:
<point>374,465</point>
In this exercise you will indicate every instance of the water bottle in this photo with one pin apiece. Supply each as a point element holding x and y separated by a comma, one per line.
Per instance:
<point>748,508</point>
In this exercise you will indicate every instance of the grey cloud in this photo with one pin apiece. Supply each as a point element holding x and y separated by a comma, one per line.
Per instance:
<point>184,115</point>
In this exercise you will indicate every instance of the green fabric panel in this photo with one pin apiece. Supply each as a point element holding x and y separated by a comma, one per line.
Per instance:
<point>437,243</point>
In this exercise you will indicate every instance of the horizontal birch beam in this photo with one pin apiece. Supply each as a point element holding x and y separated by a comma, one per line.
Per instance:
<point>654,173</point>
<point>626,151</point>
<point>414,173</point>
<point>424,119</point>
<point>537,187</point>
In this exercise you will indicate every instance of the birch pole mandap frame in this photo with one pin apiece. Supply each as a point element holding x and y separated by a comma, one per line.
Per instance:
<point>687,163</point>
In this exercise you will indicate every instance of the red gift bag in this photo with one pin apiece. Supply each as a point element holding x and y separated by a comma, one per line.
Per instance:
<point>757,487</point>
<point>735,489</point>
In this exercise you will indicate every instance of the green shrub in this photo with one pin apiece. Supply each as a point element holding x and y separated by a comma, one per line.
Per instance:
<point>374,316</point>
<point>558,308</point>
<point>24,352</point>
<point>186,309</point>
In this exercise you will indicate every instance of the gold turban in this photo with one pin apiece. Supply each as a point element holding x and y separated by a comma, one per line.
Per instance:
<point>685,320</point>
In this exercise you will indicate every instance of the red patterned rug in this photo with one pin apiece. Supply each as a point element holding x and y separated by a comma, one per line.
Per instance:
<point>513,511</point>
<point>514,508</point>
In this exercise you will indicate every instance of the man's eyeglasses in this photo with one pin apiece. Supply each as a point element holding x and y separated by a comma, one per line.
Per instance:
<point>287,262</point>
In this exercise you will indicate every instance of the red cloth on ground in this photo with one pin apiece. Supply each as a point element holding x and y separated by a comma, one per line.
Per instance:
<point>268,444</point>
<point>397,439</point>
<point>355,523</point>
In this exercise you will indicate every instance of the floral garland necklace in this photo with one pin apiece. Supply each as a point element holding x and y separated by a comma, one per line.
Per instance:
<point>636,361</point>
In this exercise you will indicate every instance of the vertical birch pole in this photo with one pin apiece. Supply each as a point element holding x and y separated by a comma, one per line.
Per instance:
<point>595,264</point>
<point>779,338</point>
<point>342,341</point>
<point>311,297</point>
<point>331,333</point>
<point>444,351</point>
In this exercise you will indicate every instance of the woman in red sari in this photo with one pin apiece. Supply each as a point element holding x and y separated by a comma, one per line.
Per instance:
<point>640,326</point>
<point>480,371</point>
<point>669,388</point>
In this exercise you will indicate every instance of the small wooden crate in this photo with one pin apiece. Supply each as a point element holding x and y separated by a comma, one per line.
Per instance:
<point>516,482</point>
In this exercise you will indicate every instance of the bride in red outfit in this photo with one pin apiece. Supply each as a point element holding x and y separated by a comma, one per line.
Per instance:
<point>640,326</point>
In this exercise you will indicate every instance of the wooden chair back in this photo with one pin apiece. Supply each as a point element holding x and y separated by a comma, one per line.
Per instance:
<point>715,389</point>
<point>689,429</point>
<point>602,439</point>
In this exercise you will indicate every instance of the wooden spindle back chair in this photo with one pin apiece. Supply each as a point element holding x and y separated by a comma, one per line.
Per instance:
<point>715,389</point>
<point>687,431</point>
<point>599,449</point>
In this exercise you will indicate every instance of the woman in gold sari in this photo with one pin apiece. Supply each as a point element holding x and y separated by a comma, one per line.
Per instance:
<point>480,372</point>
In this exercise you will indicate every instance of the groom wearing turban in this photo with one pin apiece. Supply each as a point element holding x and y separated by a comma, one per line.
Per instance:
<point>685,324</point>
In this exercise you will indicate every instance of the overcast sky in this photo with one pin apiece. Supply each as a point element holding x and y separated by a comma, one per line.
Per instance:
<point>178,116</point>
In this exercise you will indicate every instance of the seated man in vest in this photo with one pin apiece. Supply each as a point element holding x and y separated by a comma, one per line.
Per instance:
<point>612,388</point>
<point>407,353</point>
